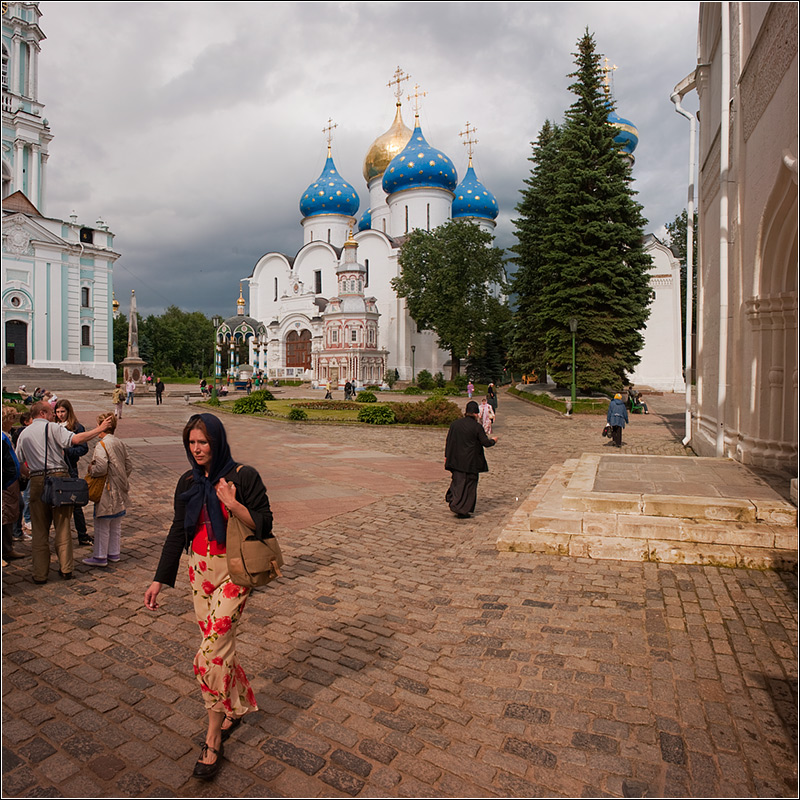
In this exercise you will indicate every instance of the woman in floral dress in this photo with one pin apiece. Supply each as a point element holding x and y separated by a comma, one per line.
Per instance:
<point>213,489</point>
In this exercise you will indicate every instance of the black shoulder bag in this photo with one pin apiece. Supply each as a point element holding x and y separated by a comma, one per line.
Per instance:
<point>59,491</point>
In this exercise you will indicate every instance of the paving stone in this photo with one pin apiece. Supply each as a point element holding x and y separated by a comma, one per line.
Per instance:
<point>402,650</point>
<point>294,756</point>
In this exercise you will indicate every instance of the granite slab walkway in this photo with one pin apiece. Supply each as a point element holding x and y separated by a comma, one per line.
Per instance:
<point>402,655</point>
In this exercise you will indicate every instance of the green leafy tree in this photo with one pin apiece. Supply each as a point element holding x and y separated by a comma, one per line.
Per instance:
<point>450,278</point>
<point>178,342</point>
<point>120,338</point>
<point>582,230</point>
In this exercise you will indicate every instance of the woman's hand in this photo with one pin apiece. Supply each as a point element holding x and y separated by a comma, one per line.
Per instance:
<point>226,492</point>
<point>151,594</point>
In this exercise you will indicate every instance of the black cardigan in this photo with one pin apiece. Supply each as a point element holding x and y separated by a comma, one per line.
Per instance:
<point>250,492</point>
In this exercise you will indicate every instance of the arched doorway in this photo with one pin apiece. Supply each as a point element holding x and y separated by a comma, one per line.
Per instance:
<point>16,342</point>
<point>298,349</point>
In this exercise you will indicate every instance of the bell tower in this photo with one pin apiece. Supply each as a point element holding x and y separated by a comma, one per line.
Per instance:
<point>26,131</point>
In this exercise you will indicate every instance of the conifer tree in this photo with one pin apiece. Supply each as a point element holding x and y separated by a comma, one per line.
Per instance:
<point>526,346</point>
<point>589,262</point>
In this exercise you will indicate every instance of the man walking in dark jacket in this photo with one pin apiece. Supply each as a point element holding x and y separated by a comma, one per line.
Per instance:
<point>464,459</point>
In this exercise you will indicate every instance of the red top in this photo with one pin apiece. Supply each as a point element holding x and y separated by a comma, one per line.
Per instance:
<point>201,544</point>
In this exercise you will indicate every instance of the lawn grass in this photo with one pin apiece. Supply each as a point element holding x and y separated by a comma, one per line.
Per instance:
<point>581,406</point>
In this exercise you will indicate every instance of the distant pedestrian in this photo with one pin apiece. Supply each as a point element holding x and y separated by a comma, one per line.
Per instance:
<point>470,389</point>
<point>486,416</point>
<point>464,459</point>
<point>117,399</point>
<point>617,417</point>
<point>348,390</point>
<point>249,385</point>
<point>328,395</point>
<point>159,391</point>
<point>130,389</point>
<point>491,396</point>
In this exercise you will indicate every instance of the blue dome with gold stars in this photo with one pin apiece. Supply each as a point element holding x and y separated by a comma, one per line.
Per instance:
<point>473,199</point>
<point>627,136</point>
<point>329,194</point>
<point>419,165</point>
<point>365,223</point>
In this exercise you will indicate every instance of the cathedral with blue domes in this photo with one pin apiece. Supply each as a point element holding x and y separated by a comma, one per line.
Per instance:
<point>329,311</point>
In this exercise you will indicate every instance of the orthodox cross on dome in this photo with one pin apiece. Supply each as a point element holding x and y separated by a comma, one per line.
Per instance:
<point>415,98</point>
<point>469,141</point>
<point>608,71</point>
<point>328,131</point>
<point>240,302</point>
<point>399,77</point>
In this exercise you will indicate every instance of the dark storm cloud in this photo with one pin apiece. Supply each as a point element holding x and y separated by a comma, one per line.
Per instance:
<point>193,129</point>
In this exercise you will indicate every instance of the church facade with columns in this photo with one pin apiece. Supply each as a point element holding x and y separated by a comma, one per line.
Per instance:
<point>57,275</point>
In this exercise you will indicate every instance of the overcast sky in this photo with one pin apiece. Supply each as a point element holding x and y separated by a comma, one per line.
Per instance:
<point>194,128</point>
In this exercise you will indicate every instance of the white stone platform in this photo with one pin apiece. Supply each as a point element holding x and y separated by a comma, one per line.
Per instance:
<point>656,508</point>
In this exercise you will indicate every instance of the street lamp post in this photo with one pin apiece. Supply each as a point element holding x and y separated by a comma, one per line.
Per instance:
<point>573,326</point>
<point>413,370</point>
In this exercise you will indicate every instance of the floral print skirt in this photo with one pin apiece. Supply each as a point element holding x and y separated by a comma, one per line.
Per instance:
<point>218,604</point>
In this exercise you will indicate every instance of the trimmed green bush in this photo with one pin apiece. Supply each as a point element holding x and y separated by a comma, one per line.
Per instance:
<point>433,411</point>
<point>297,414</point>
<point>366,397</point>
<point>412,390</point>
<point>376,415</point>
<point>461,381</point>
<point>425,380</point>
<point>253,403</point>
<point>439,380</point>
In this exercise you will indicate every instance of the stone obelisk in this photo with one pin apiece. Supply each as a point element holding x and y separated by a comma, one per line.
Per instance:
<point>132,364</point>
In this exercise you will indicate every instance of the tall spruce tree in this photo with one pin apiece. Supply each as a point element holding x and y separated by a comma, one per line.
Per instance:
<point>526,348</point>
<point>589,262</point>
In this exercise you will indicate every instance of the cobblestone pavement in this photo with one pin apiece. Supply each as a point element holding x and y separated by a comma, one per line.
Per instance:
<point>401,654</point>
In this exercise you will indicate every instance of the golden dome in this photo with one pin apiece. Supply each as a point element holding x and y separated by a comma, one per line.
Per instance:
<point>385,148</point>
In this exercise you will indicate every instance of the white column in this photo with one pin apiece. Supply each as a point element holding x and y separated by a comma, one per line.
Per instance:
<point>16,53</point>
<point>43,184</point>
<point>19,155</point>
<point>33,188</point>
<point>33,70</point>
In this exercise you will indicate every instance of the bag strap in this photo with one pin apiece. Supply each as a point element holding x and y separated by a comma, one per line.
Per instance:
<point>46,438</point>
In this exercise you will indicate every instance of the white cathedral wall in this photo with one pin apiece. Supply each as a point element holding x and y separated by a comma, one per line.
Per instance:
<point>661,362</point>
<point>422,207</point>
<point>330,228</point>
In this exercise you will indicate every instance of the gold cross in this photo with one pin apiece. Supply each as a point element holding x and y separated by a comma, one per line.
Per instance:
<point>399,77</point>
<point>469,141</point>
<point>607,70</point>
<point>328,129</point>
<point>416,98</point>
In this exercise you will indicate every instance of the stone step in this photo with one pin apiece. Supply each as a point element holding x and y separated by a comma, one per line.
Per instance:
<point>56,380</point>
<point>555,519</point>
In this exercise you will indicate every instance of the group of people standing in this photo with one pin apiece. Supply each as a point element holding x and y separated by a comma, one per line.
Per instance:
<point>49,444</point>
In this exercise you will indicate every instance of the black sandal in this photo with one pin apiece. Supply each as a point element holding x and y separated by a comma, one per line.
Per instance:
<point>235,723</point>
<point>207,771</point>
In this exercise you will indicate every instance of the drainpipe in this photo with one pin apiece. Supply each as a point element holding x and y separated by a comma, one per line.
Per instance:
<point>687,85</point>
<point>724,158</point>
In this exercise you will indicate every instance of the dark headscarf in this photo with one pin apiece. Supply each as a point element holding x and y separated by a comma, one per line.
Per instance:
<point>201,492</point>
